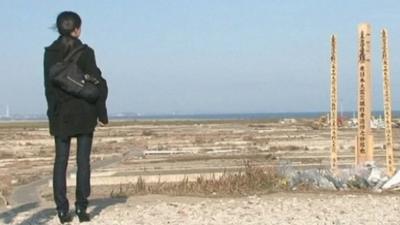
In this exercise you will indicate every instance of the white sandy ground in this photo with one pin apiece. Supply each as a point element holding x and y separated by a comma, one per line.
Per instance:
<point>280,209</point>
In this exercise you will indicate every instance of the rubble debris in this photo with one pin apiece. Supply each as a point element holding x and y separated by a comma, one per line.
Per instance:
<point>393,182</point>
<point>368,176</point>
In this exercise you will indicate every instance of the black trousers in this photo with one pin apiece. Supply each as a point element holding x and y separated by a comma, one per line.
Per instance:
<point>82,193</point>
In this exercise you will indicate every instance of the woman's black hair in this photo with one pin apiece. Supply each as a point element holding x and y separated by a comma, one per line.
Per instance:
<point>67,22</point>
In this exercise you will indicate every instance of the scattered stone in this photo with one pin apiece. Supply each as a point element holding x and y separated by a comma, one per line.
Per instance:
<point>358,182</point>
<point>393,182</point>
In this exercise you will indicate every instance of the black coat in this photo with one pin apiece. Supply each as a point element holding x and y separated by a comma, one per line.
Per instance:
<point>69,115</point>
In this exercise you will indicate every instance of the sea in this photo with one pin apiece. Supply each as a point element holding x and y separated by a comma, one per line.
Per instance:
<point>243,116</point>
<point>209,116</point>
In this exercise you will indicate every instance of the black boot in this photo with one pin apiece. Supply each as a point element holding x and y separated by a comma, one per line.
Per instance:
<point>65,217</point>
<point>82,215</point>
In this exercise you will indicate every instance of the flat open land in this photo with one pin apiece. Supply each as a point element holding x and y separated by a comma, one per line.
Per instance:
<point>169,151</point>
<point>274,209</point>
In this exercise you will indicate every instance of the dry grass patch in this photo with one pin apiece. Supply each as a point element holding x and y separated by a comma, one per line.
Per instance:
<point>5,189</point>
<point>250,180</point>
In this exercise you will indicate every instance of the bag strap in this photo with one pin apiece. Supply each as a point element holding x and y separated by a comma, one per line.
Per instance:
<point>74,52</point>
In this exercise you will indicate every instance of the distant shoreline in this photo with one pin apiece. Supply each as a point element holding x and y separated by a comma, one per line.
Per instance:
<point>202,117</point>
<point>125,119</point>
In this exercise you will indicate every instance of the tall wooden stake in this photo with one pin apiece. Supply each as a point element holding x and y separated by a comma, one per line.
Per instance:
<point>364,149</point>
<point>333,116</point>
<point>387,98</point>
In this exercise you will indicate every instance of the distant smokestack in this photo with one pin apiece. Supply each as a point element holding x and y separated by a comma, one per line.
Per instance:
<point>7,111</point>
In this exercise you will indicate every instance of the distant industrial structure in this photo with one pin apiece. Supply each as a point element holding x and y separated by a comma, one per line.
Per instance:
<point>7,114</point>
<point>7,111</point>
<point>364,146</point>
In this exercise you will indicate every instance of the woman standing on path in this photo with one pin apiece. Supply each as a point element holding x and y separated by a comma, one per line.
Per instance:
<point>70,116</point>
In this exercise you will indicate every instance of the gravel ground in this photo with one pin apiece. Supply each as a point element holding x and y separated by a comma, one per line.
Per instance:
<point>280,209</point>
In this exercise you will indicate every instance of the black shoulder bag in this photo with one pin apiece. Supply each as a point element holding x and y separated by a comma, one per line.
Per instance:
<point>69,77</point>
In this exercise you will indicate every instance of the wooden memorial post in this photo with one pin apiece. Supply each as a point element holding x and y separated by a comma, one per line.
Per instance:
<point>333,116</point>
<point>387,99</point>
<point>364,139</point>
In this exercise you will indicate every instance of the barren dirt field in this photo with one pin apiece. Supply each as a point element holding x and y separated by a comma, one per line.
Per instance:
<point>169,151</point>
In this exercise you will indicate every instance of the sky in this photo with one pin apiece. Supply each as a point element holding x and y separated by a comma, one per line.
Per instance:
<point>203,56</point>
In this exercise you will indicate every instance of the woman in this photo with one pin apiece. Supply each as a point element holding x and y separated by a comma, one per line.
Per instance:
<point>71,116</point>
